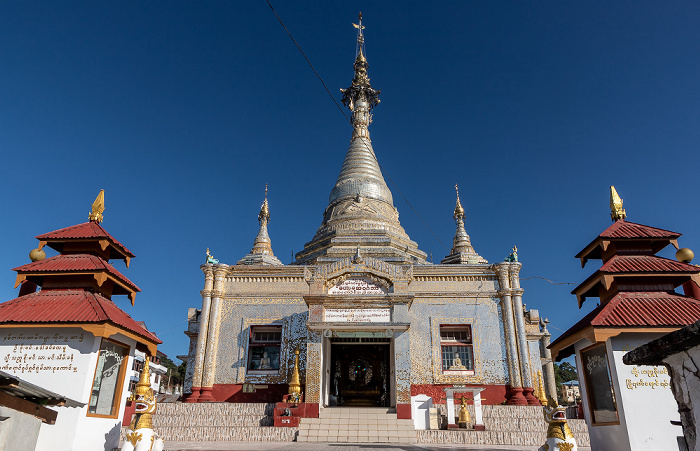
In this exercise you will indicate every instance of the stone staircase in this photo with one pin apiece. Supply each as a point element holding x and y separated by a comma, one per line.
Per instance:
<point>505,425</point>
<point>219,421</point>
<point>357,425</point>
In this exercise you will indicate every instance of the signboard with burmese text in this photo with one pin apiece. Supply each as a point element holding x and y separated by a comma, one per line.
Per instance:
<point>357,315</point>
<point>358,285</point>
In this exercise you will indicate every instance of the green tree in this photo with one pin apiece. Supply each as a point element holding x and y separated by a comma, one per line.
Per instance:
<point>564,372</point>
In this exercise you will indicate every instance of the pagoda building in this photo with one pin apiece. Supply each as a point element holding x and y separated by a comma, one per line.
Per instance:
<point>376,324</point>
<point>71,337</point>
<point>629,407</point>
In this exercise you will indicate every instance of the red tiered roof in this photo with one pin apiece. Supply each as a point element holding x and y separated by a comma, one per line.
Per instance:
<point>645,263</point>
<point>625,232</point>
<point>74,263</point>
<point>672,271</point>
<point>82,232</point>
<point>634,309</point>
<point>69,307</point>
<point>631,230</point>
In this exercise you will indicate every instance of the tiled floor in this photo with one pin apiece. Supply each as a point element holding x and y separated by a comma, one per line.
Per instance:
<point>286,446</point>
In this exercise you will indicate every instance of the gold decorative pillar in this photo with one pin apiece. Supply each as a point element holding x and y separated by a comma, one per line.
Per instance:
<point>202,334</point>
<point>209,367</point>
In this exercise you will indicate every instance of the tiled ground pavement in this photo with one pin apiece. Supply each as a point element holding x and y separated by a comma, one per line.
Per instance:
<point>286,446</point>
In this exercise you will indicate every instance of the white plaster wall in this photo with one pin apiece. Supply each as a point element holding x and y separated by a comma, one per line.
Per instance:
<point>94,434</point>
<point>603,438</point>
<point>645,394</point>
<point>19,432</point>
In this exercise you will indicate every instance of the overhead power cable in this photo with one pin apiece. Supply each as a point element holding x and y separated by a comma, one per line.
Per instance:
<point>350,122</point>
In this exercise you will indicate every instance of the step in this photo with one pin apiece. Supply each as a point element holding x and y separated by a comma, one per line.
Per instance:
<point>472,437</point>
<point>160,421</point>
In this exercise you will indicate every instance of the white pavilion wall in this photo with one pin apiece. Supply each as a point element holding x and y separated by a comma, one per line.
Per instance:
<point>70,373</point>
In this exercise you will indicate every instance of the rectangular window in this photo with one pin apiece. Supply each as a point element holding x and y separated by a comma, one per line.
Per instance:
<point>601,395</point>
<point>109,377</point>
<point>137,365</point>
<point>264,348</point>
<point>456,348</point>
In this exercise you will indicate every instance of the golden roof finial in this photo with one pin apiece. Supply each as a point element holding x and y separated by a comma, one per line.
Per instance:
<point>459,211</point>
<point>264,210</point>
<point>616,210</point>
<point>98,207</point>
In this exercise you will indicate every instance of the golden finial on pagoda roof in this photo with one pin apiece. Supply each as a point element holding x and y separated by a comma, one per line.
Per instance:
<point>459,211</point>
<point>616,210</point>
<point>98,207</point>
<point>264,210</point>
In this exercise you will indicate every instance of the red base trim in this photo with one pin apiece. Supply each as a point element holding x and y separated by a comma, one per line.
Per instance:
<point>403,411</point>
<point>516,397</point>
<point>531,400</point>
<point>479,427</point>
<point>194,396</point>
<point>205,395</point>
<point>234,393</point>
<point>312,410</point>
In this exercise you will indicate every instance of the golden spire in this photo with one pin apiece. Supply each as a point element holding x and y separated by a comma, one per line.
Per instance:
<point>98,207</point>
<point>541,395</point>
<point>459,211</point>
<point>295,381</point>
<point>264,210</point>
<point>144,383</point>
<point>616,210</point>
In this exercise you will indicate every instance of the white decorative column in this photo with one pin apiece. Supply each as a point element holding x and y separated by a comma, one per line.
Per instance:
<point>209,366</point>
<point>549,378</point>
<point>202,333</point>
<point>516,397</point>
<point>519,315</point>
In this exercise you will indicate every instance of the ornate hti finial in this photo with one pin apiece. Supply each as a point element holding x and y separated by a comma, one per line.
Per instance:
<point>616,210</point>
<point>98,207</point>
<point>459,211</point>
<point>262,243</point>
<point>360,97</point>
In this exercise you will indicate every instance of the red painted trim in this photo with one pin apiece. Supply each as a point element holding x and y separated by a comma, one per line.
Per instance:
<point>192,397</point>
<point>403,411</point>
<point>516,397</point>
<point>531,400</point>
<point>312,410</point>
<point>234,393</point>
<point>205,395</point>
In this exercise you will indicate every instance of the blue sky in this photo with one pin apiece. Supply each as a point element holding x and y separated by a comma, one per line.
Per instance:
<point>183,111</point>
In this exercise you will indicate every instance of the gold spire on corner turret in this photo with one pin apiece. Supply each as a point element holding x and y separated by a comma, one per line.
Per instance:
<point>98,207</point>
<point>616,210</point>
<point>459,211</point>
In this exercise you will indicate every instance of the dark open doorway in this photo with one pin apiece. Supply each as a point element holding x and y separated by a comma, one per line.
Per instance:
<point>360,374</point>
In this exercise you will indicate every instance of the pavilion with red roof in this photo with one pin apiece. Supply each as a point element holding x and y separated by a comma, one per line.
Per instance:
<point>65,333</point>
<point>638,303</point>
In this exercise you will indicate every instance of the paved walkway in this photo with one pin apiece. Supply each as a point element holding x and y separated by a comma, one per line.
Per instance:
<point>293,446</point>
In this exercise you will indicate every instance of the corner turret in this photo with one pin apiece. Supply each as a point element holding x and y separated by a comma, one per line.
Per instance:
<point>262,254</point>
<point>462,251</point>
